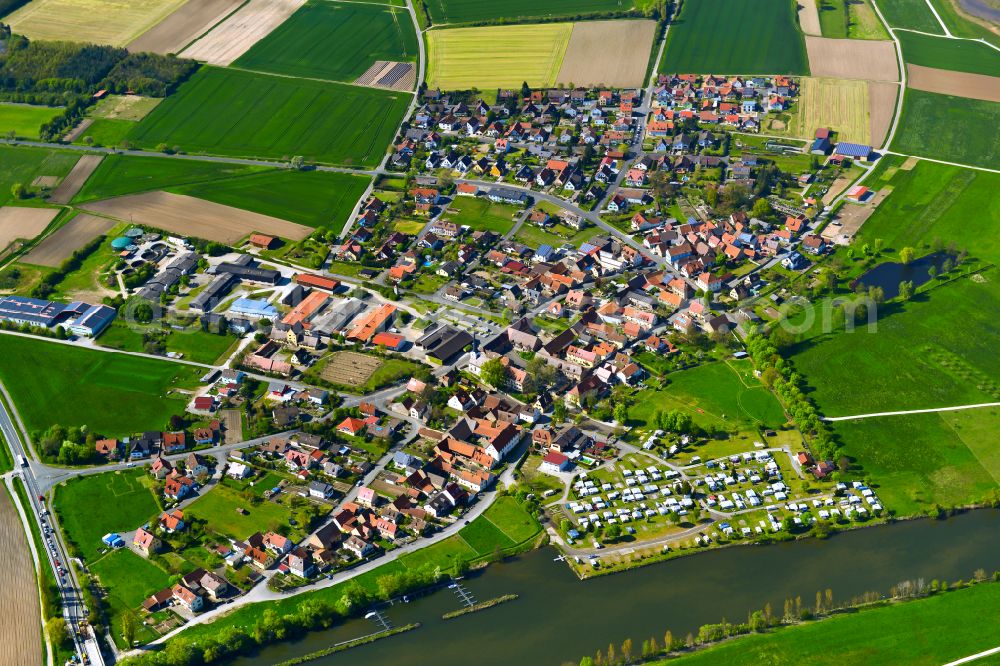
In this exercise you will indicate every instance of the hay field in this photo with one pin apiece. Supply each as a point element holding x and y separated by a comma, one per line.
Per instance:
<point>839,104</point>
<point>115,22</point>
<point>125,107</point>
<point>72,183</point>
<point>19,604</point>
<point>852,59</point>
<point>959,84</point>
<point>234,37</point>
<point>67,239</point>
<point>350,368</point>
<point>497,56</point>
<point>609,53</point>
<point>881,107</point>
<point>188,216</point>
<point>184,26</point>
<point>809,17</point>
<point>17,222</point>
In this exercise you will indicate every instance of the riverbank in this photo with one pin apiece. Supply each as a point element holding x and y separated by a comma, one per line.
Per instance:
<point>482,605</point>
<point>347,645</point>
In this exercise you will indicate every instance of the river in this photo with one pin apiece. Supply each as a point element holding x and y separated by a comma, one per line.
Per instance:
<point>559,618</point>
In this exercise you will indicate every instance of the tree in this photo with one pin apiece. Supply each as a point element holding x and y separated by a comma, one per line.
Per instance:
<point>559,412</point>
<point>621,413</point>
<point>906,255</point>
<point>668,641</point>
<point>761,208</point>
<point>613,531</point>
<point>906,290</point>
<point>525,90</point>
<point>18,191</point>
<point>627,650</point>
<point>932,272</point>
<point>55,627</point>
<point>494,373</point>
<point>297,162</point>
<point>128,628</point>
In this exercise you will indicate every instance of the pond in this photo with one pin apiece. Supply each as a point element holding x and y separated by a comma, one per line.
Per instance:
<point>558,618</point>
<point>888,275</point>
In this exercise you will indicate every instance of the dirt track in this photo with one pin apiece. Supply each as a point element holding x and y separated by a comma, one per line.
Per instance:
<point>809,17</point>
<point>612,53</point>
<point>77,177</point>
<point>17,222</point>
<point>188,216</point>
<point>852,59</point>
<point>21,630</point>
<point>184,26</point>
<point>67,239</point>
<point>959,84</point>
<point>241,31</point>
<point>881,106</point>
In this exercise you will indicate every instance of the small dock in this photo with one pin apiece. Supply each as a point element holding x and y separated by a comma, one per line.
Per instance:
<point>463,594</point>
<point>379,619</point>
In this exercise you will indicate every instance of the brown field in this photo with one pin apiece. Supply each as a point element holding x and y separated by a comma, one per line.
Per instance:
<point>67,239</point>
<point>78,131</point>
<point>232,422</point>
<point>809,17</point>
<point>610,53</point>
<point>881,106</point>
<point>26,223</point>
<point>959,84</point>
<point>46,181</point>
<point>184,26</point>
<point>349,368</point>
<point>188,216</point>
<point>74,181</point>
<point>234,37</point>
<point>836,188</point>
<point>19,604</point>
<point>852,59</point>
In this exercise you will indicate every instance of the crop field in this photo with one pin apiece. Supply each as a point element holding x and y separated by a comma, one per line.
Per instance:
<point>25,121</point>
<point>469,11</point>
<point>735,37</point>
<point>839,104</point>
<point>953,54</point>
<point>20,222</point>
<point>182,27</point>
<point>113,394</point>
<point>126,499</point>
<point>714,395</point>
<point>102,21</point>
<point>72,183</point>
<point>481,214</point>
<point>843,19</point>
<point>121,174</point>
<point>67,239</point>
<point>497,56</point>
<point>608,53</point>
<point>938,201</point>
<point>241,30</point>
<point>187,216</point>
<point>920,460</point>
<point>891,634</point>
<point>312,198</point>
<point>237,113</point>
<point>335,41</point>
<point>852,59</point>
<point>958,84</point>
<point>350,368</point>
<point>19,597</point>
<point>20,164</point>
<point>909,14</point>
<point>949,128</point>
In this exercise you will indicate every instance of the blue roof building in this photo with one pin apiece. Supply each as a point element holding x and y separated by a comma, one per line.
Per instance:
<point>544,252</point>
<point>855,150</point>
<point>95,318</point>
<point>253,309</point>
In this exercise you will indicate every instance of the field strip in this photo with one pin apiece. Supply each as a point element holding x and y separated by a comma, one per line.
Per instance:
<point>910,411</point>
<point>194,19</point>
<point>809,17</point>
<point>244,28</point>
<point>58,246</point>
<point>975,454</point>
<point>23,222</point>
<point>72,183</point>
<point>958,84</point>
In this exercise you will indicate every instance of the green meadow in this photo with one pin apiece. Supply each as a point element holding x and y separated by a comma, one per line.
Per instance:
<point>909,14</point>
<point>468,11</point>
<point>118,175</point>
<point>953,54</point>
<point>954,129</point>
<point>25,121</point>
<point>21,164</point>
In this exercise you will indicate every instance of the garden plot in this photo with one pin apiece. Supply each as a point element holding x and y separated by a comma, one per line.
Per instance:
<point>187,216</point>
<point>350,368</point>
<point>67,239</point>
<point>237,34</point>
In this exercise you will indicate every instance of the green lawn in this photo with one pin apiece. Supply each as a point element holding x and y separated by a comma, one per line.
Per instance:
<point>895,634</point>
<point>218,507</point>
<point>113,394</point>
<point>467,11</point>
<point>481,214</point>
<point>119,174</point>
<point>131,577</point>
<point>938,201</point>
<point>714,394</point>
<point>735,37</point>
<point>312,198</point>
<point>107,132</point>
<point>91,506</point>
<point>484,537</point>
<point>194,343</point>
<point>556,236</point>
<point>934,351</point>
<point>25,121</point>
<point>21,164</point>
<point>511,519</point>
<point>920,460</point>
<point>909,14</point>
<point>334,41</point>
<point>955,129</point>
<point>237,113</point>
<point>954,54</point>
